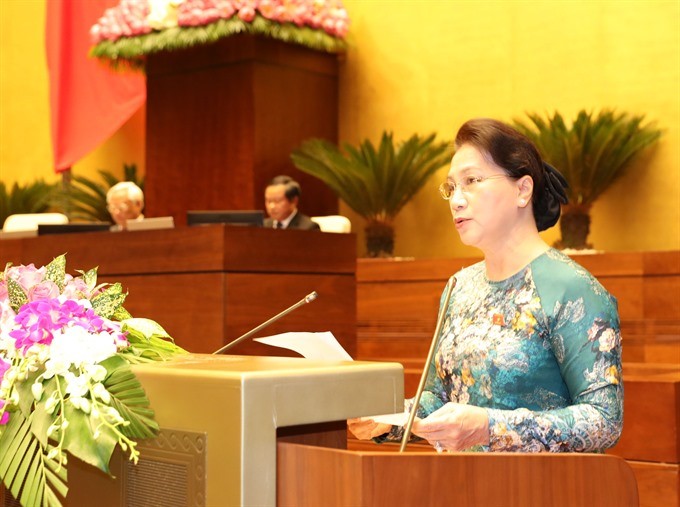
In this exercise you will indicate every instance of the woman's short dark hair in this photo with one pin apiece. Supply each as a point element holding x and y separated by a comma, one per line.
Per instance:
<point>517,156</point>
<point>292,187</point>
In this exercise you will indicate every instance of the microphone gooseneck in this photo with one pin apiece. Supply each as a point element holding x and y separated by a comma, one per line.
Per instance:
<point>430,355</point>
<point>307,299</point>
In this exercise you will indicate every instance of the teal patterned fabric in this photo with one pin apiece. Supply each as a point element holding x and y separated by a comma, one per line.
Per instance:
<point>540,350</point>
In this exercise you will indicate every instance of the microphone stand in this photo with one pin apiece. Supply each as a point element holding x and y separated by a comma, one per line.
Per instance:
<point>307,299</point>
<point>430,355</point>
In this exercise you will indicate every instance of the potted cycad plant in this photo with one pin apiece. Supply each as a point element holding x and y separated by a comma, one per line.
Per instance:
<point>30,198</point>
<point>375,182</point>
<point>591,153</point>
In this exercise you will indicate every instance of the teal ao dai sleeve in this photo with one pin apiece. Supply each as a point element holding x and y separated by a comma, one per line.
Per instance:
<point>541,351</point>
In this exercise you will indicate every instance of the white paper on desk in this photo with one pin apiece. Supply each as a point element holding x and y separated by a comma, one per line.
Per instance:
<point>322,346</point>
<point>399,419</point>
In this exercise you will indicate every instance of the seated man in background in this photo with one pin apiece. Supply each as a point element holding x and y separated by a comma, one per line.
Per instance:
<point>125,201</point>
<point>281,199</point>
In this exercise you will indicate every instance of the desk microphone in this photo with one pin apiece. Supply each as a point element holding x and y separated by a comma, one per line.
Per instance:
<point>421,386</point>
<point>307,299</point>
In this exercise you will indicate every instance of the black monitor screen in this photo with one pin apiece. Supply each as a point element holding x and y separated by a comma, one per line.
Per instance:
<point>252,218</point>
<point>73,227</point>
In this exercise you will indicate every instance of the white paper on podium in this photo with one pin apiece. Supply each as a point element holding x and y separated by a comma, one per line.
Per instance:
<point>398,419</point>
<point>323,346</point>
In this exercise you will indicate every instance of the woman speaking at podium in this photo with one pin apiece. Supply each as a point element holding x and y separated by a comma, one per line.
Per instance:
<point>529,354</point>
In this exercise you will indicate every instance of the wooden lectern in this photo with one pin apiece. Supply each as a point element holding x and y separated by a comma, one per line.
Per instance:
<point>220,417</point>
<point>262,431</point>
<point>313,476</point>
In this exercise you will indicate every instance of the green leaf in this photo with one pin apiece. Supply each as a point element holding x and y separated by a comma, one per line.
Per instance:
<point>55,271</point>
<point>16,294</point>
<point>129,51</point>
<point>89,278</point>
<point>129,398</point>
<point>26,471</point>
<point>375,182</point>
<point>121,314</point>
<point>85,199</point>
<point>146,328</point>
<point>78,438</point>
<point>41,419</point>
<point>148,342</point>
<point>30,198</point>
<point>106,303</point>
<point>591,153</point>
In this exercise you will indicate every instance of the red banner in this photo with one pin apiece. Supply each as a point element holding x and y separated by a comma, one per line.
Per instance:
<point>89,101</point>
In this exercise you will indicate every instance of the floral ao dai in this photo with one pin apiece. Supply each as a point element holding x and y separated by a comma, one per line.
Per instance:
<point>540,350</point>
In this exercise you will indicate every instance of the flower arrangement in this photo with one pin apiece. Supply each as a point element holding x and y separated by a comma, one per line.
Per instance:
<point>66,384</point>
<point>135,28</point>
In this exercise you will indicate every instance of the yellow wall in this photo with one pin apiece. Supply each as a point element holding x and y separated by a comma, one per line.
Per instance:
<point>427,66</point>
<point>25,144</point>
<point>430,65</point>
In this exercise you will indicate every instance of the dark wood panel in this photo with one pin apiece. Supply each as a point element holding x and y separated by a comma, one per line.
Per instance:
<point>651,425</point>
<point>209,285</point>
<point>188,306</point>
<point>191,249</point>
<point>289,251</point>
<point>658,483</point>
<point>334,310</point>
<point>163,251</point>
<point>223,118</point>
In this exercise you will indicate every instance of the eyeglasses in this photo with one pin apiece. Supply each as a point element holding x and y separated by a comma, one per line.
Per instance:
<point>468,185</point>
<point>118,207</point>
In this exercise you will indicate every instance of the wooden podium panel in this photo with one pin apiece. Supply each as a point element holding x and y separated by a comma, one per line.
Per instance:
<point>219,417</point>
<point>313,476</point>
<point>207,285</point>
<point>223,118</point>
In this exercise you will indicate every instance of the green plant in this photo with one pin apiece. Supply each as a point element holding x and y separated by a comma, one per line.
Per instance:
<point>30,198</point>
<point>84,199</point>
<point>375,182</point>
<point>592,153</point>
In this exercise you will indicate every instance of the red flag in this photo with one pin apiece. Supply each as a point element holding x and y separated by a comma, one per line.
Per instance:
<point>89,102</point>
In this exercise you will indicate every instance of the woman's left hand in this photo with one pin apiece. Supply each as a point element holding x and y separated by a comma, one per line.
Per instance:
<point>454,427</point>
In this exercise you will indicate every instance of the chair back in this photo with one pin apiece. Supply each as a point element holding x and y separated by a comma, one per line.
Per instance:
<point>333,223</point>
<point>30,221</point>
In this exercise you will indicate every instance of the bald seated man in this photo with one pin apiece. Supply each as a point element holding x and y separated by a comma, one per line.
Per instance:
<point>125,202</point>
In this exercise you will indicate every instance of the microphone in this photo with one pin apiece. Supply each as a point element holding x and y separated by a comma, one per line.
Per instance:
<point>430,355</point>
<point>307,299</point>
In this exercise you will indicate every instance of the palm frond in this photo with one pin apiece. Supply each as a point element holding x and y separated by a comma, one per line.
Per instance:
<point>30,198</point>
<point>129,398</point>
<point>376,182</point>
<point>28,473</point>
<point>594,151</point>
<point>85,199</point>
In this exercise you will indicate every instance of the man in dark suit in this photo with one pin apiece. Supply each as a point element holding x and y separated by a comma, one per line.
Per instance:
<point>281,199</point>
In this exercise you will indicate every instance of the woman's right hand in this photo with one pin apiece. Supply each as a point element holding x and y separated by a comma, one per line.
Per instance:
<point>365,428</point>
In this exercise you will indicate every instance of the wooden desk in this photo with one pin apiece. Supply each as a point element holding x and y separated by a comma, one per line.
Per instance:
<point>208,285</point>
<point>397,302</point>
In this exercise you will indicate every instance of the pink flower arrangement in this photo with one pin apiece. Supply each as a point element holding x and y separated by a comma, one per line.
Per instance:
<point>138,17</point>
<point>66,384</point>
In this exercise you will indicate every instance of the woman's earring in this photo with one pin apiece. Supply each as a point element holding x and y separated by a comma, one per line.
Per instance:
<point>522,202</point>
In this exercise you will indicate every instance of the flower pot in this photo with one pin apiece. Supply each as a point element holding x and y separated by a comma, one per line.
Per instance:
<point>379,239</point>
<point>575,226</point>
